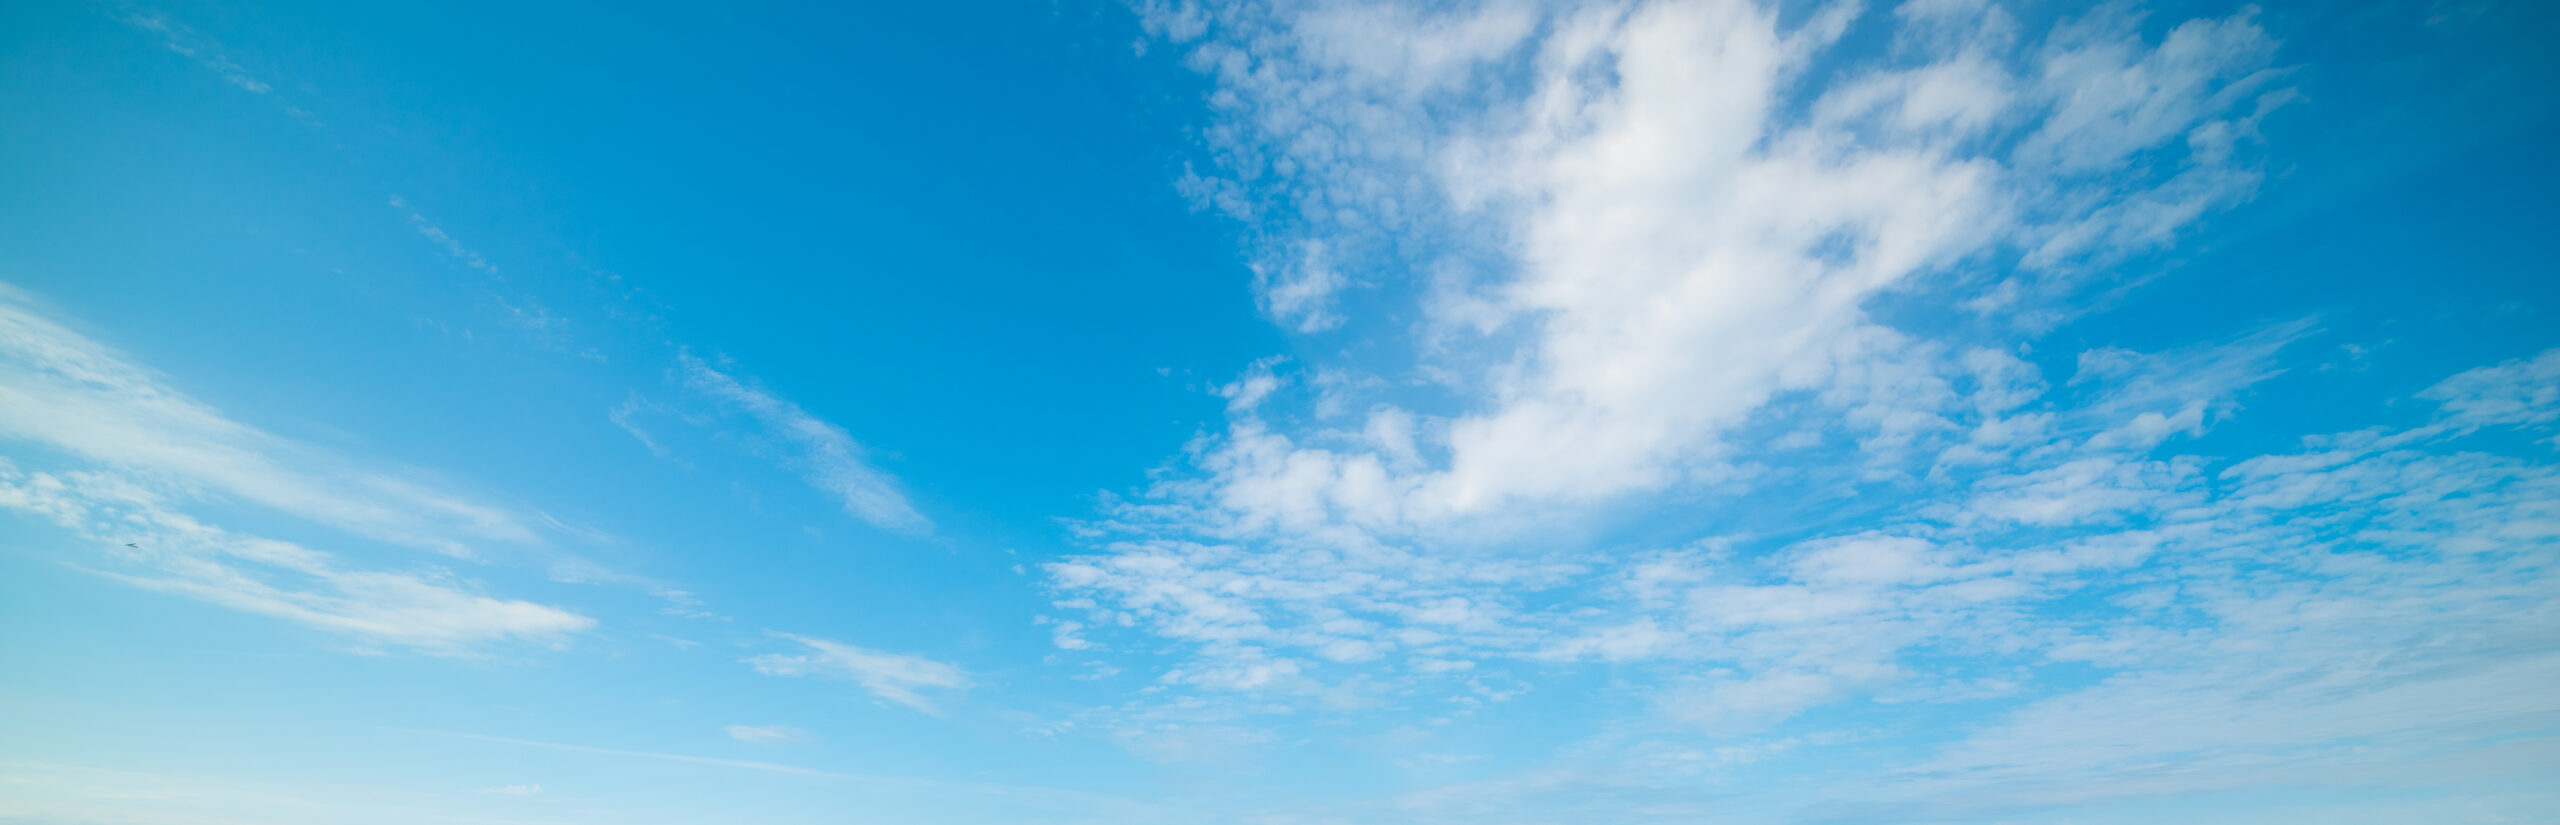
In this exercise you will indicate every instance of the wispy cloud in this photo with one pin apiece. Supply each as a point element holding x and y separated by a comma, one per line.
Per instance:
<point>522,312</point>
<point>194,45</point>
<point>766,734</point>
<point>65,391</point>
<point>896,677</point>
<point>161,549</point>
<point>2237,605</point>
<point>142,452</point>
<point>185,41</point>
<point>2523,392</point>
<point>820,452</point>
<point>626,415</point>
<point>513,790</point>
<point>435,234</point>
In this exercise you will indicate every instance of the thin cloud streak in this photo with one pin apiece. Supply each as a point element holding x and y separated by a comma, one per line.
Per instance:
<point>142,451</point>
<point>822,453</point>
<point>896,677</point>
<point>765,734</point>
<point>63,390</point>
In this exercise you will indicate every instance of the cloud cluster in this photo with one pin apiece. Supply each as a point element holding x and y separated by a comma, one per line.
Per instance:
<point>1656,222</point>
<point>2372,600</point>
<point>1649,245</point>
<point>1631,226</point>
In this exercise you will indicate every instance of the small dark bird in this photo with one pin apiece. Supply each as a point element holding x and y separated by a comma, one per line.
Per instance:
<point>131,544</point>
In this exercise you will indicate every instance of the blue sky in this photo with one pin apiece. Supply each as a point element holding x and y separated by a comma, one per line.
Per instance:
<point>1686,411</point>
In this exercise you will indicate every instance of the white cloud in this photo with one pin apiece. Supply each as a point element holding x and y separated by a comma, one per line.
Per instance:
<point>2523,391</point>
<point>2113,96</point>
<point>2368,603</point>
<point>146,452</point>
<point>766,734</point>
<point>185,41</point>
<point>820,452</point>
<point>1652,258</point>
<point>65,391</point>
<point>1300,291</point>
<point>431,611</point>
<point>523,313</point>
<point>626,416</point>
<point>1647,240</point>
<point>1248,391</point>
<point>896,677</point>
<point>513,790</point>
<point>1645,235</point>
<point>435,234</point>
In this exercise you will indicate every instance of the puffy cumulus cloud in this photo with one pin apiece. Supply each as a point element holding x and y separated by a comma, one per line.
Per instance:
<point>896,677</point>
